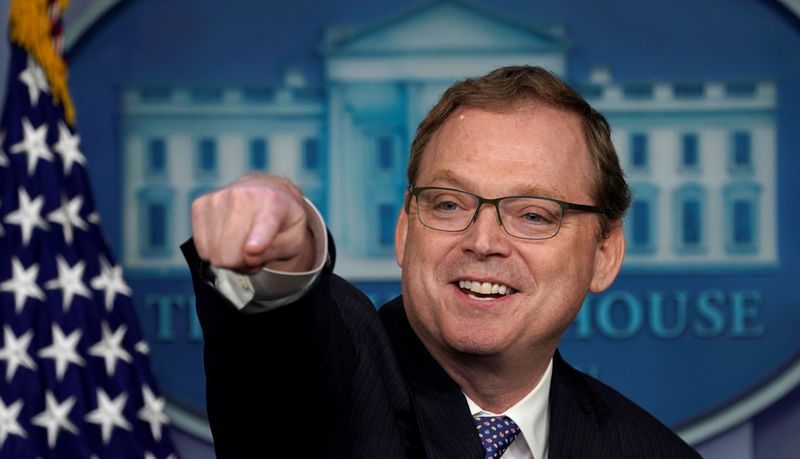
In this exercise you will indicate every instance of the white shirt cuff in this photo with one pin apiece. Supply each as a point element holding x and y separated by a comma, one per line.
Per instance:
<point>270,289</point>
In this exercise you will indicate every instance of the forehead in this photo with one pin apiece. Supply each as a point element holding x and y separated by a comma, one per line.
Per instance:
<point>534,149</point>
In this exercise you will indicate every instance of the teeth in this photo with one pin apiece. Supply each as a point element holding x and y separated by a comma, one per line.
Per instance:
<point>485,288</point>
<point>480,298</point>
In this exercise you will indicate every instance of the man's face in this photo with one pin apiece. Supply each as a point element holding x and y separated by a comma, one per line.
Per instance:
<point>534,150</point>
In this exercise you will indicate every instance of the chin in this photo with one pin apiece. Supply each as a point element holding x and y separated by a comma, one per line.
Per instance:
<point>477,343</point>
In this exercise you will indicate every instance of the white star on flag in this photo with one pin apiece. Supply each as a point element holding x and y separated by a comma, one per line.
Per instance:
<point>94,218</point>
<point>153,412</point>
<point>142,347</point>
<point>68,216</point>
<point>3,157</point>
<point>110,349</point>
<point>70,281</point>
<point>15,351</point>
<point>34,144</point>
<point>67,147</point>
<point>109,414</point>
<point>33,76</point>
<point>110,279</point>
<point>8,421</point>
<point>55,417</point>
<point>28,215</point>
<point>62,351</point>
<point>23,284</point>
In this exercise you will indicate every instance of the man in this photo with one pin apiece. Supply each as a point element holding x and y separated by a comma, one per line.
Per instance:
<point>512,215</point>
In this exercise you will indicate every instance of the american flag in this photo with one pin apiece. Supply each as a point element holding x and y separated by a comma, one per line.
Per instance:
<point>75,381</point>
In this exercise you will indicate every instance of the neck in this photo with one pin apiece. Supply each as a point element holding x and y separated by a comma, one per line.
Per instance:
<point>493,382</point>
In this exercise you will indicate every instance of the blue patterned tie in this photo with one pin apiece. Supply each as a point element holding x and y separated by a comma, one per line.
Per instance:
<point>496,433</point>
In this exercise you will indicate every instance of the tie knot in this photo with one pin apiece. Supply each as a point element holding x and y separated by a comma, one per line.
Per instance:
<point>496,433</point>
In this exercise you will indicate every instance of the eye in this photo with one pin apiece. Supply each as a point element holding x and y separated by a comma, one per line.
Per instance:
<point>535,215</point>
<point>446,205</point>
<point>532,217</point>
<point>446,200</point>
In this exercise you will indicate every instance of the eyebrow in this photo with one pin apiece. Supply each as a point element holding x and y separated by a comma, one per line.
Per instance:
<point>451,179</point>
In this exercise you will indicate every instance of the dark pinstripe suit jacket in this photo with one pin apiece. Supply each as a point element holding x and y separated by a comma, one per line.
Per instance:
<point>328,377</point>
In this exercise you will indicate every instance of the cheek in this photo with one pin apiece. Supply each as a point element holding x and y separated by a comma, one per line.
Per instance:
<point>419,297</point>
<point>424,271</point>
<point>561,274</point>
<point>423,248</point>
<point>416,264</point>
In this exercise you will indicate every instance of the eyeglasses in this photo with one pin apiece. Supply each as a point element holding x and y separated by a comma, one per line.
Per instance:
<point>524,217</point>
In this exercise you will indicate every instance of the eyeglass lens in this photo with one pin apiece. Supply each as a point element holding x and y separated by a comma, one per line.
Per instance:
<point>523,217</point>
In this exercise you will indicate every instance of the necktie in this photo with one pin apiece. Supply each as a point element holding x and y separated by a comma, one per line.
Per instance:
<point>496,434</point>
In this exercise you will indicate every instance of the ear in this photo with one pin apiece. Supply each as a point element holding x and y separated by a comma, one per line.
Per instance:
<point>400,233</point>
<point>608,258</point>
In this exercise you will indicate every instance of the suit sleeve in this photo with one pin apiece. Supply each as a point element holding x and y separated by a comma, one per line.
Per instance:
<point>263,370</point>
<point>314,378</point>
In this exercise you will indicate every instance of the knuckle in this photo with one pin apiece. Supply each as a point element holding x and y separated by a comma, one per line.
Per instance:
<point>202,250</point>
<point>267,196</point>
<point>227,260</point>
<point>198,208</point>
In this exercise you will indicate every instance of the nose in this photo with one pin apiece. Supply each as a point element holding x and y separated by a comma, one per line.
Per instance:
<point>486,237</point>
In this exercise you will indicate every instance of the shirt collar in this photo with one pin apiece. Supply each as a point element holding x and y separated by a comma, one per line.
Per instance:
<point>531,414</point>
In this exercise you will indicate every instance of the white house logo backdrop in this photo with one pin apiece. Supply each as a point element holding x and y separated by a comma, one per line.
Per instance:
<point>703,314</point>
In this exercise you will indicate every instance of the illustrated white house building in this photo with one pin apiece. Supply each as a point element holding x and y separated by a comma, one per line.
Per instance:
<point>700,155</point>
<point>180,142</point>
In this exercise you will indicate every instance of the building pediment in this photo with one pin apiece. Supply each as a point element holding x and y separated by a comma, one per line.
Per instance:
<point>441,27</point>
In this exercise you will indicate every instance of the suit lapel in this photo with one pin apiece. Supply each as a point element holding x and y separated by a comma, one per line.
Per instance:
<point>577,417</point>
<point>441,410</point>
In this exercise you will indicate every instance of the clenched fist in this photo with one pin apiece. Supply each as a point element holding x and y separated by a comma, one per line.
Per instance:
<point>257,221</point>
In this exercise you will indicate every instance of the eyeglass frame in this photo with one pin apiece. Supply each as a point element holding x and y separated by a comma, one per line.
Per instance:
<point>565,206</point>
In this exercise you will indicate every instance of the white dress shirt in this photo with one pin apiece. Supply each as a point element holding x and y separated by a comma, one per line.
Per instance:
<point>531,414</point>
<point>270,289</point>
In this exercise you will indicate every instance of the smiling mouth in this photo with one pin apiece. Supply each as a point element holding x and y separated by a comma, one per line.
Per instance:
<point>484,291</point>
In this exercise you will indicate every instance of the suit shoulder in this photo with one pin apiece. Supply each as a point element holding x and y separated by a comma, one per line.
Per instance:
<point>633,431</point>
